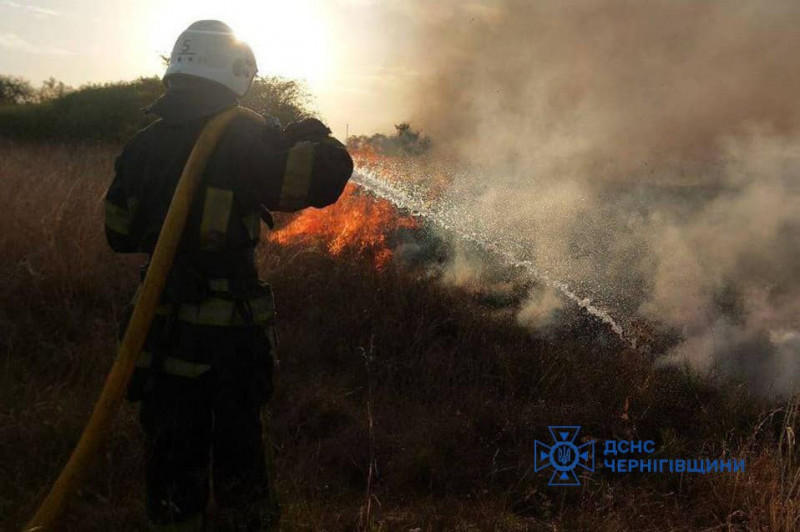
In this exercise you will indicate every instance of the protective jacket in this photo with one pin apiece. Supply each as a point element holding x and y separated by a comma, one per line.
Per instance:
<point>256,167</point>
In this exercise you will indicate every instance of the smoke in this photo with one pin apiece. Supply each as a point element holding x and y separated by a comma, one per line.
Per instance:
<point>540,308</point>
<point>645,153</point>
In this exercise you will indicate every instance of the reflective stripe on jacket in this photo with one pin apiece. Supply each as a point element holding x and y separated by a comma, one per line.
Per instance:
<point>252,171</point>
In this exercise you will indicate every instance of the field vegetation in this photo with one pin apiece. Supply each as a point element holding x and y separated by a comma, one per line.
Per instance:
<point>401,403</point>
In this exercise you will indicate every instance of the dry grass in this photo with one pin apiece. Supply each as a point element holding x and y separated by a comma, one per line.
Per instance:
<point>436,431</point>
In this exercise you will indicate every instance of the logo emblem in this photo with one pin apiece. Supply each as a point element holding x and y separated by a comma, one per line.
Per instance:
<point>564,456</point>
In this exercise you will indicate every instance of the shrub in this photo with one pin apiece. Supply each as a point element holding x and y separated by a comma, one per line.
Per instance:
<point>109,112</point>
<point>114,111</point>
<point>15,90</point>
<point>285,99</point>
<point>406,142</point>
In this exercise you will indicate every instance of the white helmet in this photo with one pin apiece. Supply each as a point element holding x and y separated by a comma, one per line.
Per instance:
<point>209,49</point>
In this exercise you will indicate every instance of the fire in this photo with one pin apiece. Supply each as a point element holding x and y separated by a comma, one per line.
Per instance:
<point>357,223</point>
<point>365,155</point>
<point>429,178</point>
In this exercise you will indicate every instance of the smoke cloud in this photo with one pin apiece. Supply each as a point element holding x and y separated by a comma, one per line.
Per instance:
<point>645,153</point>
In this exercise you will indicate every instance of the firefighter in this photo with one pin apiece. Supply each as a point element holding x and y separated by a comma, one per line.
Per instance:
<point>205,374</point>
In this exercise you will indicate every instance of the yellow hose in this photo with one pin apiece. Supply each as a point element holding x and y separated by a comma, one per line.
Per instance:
<point>150,294</point>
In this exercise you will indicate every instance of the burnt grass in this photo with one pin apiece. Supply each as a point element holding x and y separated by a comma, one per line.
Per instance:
<point>392,388</point>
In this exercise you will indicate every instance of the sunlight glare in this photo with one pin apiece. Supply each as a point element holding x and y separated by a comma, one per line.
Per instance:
<point>289,38</point>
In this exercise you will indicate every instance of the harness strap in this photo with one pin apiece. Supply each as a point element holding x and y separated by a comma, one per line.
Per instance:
<point>223,310</point>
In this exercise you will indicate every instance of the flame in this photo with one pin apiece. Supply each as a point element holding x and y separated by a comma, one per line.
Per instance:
<point>365,155</point>
<point>429,178</point>
<point>356,223</point>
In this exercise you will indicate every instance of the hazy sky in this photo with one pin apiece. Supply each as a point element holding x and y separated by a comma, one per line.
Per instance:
<point>349,51</point>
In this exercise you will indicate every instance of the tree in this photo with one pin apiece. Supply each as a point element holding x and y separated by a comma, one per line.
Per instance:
<point>406,142</point>
<point>285,99</point>
<point>52,89</point>
<point>14,91</point>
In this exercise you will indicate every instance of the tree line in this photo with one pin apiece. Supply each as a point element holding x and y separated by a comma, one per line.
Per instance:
<point>115,111</point>
<point>405,141</point>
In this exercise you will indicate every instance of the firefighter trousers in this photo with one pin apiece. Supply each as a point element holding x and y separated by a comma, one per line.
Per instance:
<point>197,441</point>
<point>205,436</point>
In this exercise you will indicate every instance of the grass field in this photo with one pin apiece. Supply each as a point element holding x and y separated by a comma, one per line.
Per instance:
<point>385,374</point>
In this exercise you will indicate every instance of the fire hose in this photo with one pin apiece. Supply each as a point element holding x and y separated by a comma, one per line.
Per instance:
<point>132,342</point>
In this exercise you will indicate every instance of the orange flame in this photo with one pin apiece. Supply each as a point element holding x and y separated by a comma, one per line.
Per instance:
<point>357,223</point>
<point>428,176</point>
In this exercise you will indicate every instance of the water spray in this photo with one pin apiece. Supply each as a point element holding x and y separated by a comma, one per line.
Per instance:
<point>408,201</point>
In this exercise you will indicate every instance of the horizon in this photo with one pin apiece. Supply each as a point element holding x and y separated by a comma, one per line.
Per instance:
<point>354,77</point>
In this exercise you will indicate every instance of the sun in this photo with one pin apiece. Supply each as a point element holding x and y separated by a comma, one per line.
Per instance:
<point>290,39</point>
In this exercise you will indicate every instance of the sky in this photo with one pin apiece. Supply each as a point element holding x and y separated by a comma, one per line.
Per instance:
<point>349,52</point>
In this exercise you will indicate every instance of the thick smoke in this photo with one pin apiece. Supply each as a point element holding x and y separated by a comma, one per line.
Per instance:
<point>646,153</point>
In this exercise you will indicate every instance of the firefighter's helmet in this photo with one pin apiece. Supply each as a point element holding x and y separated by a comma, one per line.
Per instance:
<point>209,49</point>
